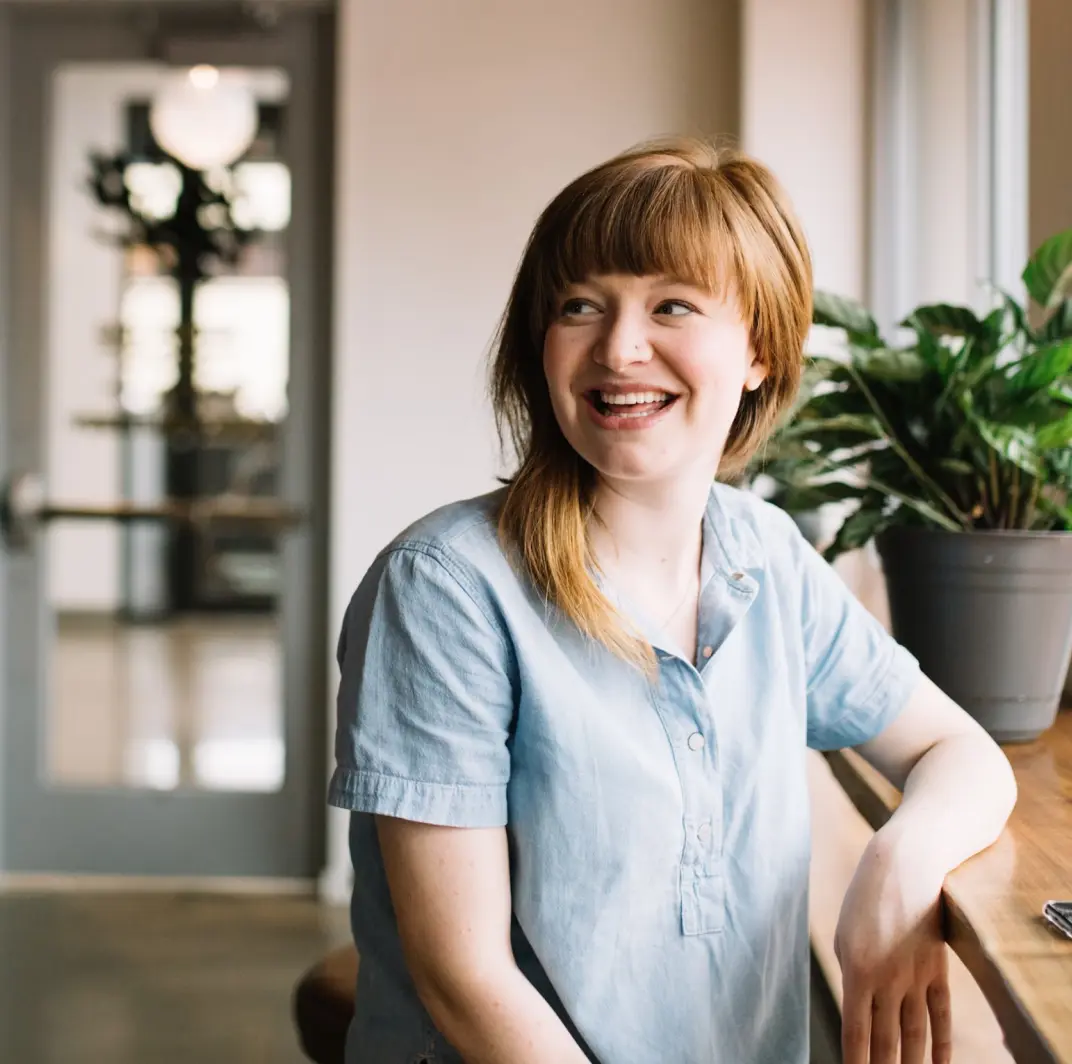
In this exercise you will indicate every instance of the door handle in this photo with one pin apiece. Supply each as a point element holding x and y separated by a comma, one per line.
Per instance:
<point>24,507</point>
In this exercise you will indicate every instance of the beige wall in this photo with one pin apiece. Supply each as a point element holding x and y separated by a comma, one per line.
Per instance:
<point>1050,96</point>
<point>947,262</point>
<point>804,112</point>
<point>457,122</point>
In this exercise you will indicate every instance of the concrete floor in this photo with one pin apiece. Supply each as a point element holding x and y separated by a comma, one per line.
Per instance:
<point>155,978</point>
<point>172,979</point>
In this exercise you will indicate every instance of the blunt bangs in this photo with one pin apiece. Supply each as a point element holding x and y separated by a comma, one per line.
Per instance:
<point>643,220</point>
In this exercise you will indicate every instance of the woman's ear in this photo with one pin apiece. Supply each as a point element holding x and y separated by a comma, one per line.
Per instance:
<point>757,372</point>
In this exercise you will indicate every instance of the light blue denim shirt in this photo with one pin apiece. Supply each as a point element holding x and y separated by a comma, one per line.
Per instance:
<point>659,830</point>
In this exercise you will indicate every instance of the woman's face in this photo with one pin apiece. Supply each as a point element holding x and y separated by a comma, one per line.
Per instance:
<point>646,375</point>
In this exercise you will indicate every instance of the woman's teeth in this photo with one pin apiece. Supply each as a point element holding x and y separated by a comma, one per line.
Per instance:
<point>632,398</point>
<point>632,404</point>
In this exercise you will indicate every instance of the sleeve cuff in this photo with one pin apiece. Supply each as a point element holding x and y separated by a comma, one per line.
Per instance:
<point>889,694</point>
<point>462,805</point>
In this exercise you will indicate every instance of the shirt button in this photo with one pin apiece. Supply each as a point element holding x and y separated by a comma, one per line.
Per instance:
<point>707,651</point>
<point>703,832</point>
<point>696,741</point>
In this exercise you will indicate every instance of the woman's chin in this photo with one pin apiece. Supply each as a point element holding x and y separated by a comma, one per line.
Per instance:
<point>632,468</point>
<point>617,465</point>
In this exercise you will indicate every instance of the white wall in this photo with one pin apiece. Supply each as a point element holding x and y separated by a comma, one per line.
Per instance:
<point>457,122</point>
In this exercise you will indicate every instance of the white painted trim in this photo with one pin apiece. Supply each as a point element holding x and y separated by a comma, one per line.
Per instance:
<point>5,281</point>
<point>1001,147</point>
<point>982,140</point>
<point>893,246</point>
<point>1010,145</point>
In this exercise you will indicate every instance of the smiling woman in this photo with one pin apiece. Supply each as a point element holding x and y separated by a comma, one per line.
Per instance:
<point>574,713</point>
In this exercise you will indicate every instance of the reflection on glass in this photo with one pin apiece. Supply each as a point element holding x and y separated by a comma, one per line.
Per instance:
<point>191,703</point>
<point>140,694</point>
<point>242,325</point>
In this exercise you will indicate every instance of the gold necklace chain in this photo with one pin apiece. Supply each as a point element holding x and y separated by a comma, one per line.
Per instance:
<point>684,598</point>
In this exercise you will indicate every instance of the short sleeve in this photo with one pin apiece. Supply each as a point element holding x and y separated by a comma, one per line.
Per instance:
<point>859,677</point>
<point>425,701</point>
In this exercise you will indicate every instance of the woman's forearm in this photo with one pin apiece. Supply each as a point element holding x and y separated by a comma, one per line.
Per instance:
<point>957,799</point>
<point>501,1019</point>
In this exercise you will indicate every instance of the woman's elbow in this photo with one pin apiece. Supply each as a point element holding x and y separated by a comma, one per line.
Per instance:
<point>456,997</point>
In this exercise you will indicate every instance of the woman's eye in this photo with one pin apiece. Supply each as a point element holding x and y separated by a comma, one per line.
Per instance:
<point>575,307</point>
<point>674,308</point>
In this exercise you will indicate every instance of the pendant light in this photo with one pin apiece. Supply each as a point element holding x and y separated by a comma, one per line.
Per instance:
<point>203,119</point>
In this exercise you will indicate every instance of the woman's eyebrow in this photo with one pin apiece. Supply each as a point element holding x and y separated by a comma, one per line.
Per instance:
<point>677,279</point>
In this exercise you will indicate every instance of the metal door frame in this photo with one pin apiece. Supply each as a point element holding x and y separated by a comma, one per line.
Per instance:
<point>141,832</point>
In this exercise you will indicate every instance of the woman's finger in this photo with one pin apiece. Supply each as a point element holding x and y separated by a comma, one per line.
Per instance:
<point>855,1025</point>
<point>914,1029</point>
<point>885,1029</point>
<point>938,1004</point>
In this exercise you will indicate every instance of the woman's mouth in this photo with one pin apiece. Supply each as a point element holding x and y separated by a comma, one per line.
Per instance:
<point>628,409</point>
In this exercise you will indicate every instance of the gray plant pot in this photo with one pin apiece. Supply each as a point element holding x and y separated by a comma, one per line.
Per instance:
<point>989,616</point>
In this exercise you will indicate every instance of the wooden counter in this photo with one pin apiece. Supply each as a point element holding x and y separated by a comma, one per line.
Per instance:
<point>994,901</point>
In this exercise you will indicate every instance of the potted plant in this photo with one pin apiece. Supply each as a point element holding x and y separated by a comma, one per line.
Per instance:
<point>954,450</point>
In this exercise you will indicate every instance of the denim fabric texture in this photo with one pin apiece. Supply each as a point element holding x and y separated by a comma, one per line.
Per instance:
<point>659,829</point>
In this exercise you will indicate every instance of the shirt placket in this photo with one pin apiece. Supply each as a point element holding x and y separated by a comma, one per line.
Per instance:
<point>690,712</point>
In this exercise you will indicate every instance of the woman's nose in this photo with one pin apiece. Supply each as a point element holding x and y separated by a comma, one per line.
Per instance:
<point>624,343</point>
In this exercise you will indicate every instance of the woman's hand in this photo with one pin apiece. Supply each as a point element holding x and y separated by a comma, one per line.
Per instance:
<point>894,960</point>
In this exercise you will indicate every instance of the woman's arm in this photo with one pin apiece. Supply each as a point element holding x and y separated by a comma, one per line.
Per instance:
<point>959,790</point>
<point>451,893</point>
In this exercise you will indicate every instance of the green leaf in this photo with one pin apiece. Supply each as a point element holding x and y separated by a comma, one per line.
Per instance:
<point>1061,392</point>
<point>890,364</point>
<point>934,353</point>
<point>833,403</point>
<point>860,527</point>
<point>1015,309</point>
<point>840,312</point>
<point>1056,434</point>
<point>1041,368</point>
<point>1031,412</point>
<point>1013,443</point>
<point>855,424</point>
<point>1058,326</point>
<point>1061,511</point>
<point>974,371</point>
<point>944,319</point>
<point>803,498</point>
<point>1048,276</point>
<point>958,467</point>
<point>920,506</point>
<point>1060,464</point>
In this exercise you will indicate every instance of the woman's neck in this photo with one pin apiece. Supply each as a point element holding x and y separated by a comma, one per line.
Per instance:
<point>650,533</point>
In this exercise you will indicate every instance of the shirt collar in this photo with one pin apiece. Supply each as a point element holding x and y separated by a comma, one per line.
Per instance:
<point>731,547</point>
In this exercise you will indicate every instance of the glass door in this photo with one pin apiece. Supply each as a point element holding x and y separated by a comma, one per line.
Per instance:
<point>165,639</point>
